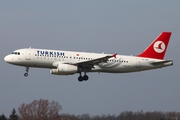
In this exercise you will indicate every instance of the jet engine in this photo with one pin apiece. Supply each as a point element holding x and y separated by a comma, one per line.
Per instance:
<point>64,69</point>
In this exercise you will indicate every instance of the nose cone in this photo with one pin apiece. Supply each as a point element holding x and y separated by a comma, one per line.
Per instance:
<point>7,59</point>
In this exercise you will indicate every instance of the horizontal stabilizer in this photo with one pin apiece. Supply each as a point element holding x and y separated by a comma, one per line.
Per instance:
<point>161,62</point>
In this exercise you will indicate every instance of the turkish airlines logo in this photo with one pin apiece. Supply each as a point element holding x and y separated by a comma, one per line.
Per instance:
<point>159,46</point>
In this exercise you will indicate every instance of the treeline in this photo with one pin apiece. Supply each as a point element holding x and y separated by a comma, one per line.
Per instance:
<point>127,115</point>
<point>45,110</point>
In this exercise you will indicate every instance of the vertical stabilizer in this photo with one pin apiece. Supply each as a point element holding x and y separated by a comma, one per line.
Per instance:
<point>158,47</point>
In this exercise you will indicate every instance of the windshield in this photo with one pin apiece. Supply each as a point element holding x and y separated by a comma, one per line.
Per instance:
<point>16,53</point>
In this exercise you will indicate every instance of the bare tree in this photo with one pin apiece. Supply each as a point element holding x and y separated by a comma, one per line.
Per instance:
<point>39,110</point>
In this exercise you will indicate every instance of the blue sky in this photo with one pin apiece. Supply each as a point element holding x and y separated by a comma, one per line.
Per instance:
<point>123,27</point>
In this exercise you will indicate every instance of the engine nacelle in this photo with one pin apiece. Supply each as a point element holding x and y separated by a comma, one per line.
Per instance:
<point>64,69</point>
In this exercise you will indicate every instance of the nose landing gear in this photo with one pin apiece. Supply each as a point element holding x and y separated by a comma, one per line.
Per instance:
<point>26,73</point>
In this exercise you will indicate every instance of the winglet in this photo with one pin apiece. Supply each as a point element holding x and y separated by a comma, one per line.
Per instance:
<point>114,55</point>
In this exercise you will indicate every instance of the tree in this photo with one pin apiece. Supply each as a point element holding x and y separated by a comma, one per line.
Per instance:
<point>13,115</point>
<point>39,110</point>
<point>3,117</point>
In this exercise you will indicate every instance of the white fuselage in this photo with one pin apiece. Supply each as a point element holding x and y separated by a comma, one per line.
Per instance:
<point>43,58</point>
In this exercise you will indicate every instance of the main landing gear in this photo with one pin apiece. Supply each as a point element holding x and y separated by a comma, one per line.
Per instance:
<point>83,78</point>
<point>26,73</point>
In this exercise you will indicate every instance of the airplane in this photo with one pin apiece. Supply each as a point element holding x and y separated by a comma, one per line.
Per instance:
<point>62,62</point>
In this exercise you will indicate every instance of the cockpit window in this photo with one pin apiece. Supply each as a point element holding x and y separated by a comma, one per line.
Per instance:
<point>16,53</point>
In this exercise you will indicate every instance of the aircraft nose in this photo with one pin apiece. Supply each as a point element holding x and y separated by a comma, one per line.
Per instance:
<point>7,58</point>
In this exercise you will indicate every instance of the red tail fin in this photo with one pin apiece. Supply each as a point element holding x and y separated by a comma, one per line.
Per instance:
<point>157,48</point>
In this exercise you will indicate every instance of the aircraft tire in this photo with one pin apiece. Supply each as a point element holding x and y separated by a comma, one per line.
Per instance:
<point>80,78</point>
<point>25,74</point>
<point>85,77</point>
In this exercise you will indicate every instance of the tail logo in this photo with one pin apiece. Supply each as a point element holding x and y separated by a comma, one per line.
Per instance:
<point>159,46</point>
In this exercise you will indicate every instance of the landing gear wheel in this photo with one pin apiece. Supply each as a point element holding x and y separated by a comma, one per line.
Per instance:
<point>80,78</point>
<point>85,77</point>
<point>25,74</point>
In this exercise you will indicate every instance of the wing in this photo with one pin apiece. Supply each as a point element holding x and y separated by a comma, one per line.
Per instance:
<point>86,64</point>
<point>91,63</point>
